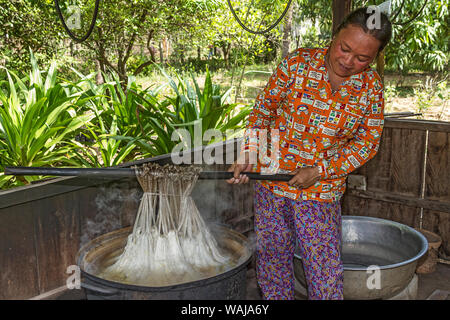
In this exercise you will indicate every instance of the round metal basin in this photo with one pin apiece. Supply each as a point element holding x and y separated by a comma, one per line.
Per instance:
<point>379,257</point>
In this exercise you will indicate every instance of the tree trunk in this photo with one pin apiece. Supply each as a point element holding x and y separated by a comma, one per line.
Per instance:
<point>287,32</point>
<point>142,66</point>
<point>121,67</point>
<point>341,8</point>
<point>226,52</point>
<point>150,48</point>
<point>101,56</point>
<point>380,65</point>
<point>98,77</point>
<point>271,53</point>
<point>161,53</point>
<point>181,54</point>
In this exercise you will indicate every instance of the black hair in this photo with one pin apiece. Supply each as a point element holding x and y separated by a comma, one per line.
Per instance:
<point>360,17</point>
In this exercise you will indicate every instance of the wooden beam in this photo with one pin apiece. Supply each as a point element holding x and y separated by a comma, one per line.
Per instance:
<point>417,124</point>
<point>341,8</point>
<point>48,188</point>
<point>380,65</point>
<point>401,199</point>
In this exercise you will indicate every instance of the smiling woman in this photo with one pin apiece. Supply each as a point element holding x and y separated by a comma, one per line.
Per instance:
<point>353,47</point>
<point>351,51</point>
<point>381,30</point>
<point>328,106</point>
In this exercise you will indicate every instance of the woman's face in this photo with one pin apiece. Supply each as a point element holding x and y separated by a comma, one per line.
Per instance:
<point>351,51</point>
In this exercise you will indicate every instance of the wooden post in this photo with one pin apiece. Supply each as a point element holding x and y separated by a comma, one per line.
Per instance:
<point>341,8</point>
<point>380,65</point>
<point>287,32</point>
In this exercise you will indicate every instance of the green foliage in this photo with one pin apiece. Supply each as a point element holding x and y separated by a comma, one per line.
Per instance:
<point>315,11</point>
<point>27,24</point>
<point>429,92</point>
<point>37,118</point>
<point>188,108</point>
<point>115,110</point>
<point>421,44</point>
<point>124,24</point>
<point>191,26</point>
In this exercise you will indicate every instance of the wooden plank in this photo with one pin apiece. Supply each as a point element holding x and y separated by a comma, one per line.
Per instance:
<point>223,193</point>
<point>234,203</point>
<point>226,208</point>
<point>356,206</point>
<point>240,194</point>
<point>377,170</point>
<point>439,223</point>
<point>438,167</point>
<point>401,199</point>
<point>225,196</point>
<point>408,147</point>
<point>437,188</point>
<point>340,9</point>
<point>57,229</point>
<point>248,199</point>
<point>416,124</point>
<point>18,264</point>
<point>48,188</point>
<point>49,295</point>
<point>397,166</point>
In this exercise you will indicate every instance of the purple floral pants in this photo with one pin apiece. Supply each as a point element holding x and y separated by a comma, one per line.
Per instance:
<point>316,226</point>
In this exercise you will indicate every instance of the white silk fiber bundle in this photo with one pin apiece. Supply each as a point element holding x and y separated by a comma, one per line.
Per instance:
<point>170,242</point>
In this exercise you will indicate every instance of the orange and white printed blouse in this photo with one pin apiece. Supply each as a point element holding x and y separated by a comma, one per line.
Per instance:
<point>334,131</point>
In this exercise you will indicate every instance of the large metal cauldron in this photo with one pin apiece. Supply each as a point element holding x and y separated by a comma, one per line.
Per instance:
<point>393,247</point>
<point>100,253</point>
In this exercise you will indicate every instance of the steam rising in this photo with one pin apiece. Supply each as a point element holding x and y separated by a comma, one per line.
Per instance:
<point>110,215</point>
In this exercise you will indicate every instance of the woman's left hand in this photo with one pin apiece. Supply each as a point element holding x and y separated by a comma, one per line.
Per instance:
<point>304,177</point>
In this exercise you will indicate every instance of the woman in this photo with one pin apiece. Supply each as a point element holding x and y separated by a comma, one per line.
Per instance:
<point>327,105</point>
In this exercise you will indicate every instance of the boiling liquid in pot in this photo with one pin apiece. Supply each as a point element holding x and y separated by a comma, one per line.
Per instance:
<point>233,250</point>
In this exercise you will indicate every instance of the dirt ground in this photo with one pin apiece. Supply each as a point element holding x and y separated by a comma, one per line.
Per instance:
<point>401,94</point>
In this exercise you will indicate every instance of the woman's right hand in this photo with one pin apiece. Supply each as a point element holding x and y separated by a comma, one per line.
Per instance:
<point>237,167</point>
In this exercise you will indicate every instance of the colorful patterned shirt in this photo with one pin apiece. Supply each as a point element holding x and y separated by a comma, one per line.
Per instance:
<point>334,131</point>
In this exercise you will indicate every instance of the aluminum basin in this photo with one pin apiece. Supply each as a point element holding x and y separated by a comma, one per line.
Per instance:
<point>393,248</point>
